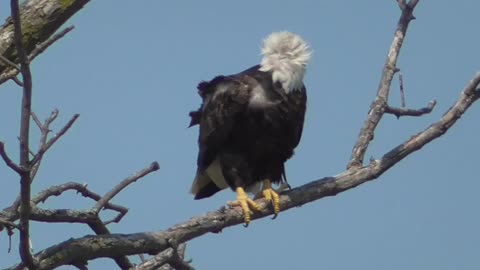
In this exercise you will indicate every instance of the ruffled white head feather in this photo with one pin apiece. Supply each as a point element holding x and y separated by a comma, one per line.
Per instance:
<point>286,55</point>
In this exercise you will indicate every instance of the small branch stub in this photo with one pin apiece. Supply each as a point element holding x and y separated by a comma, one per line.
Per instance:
<point>398,112</point>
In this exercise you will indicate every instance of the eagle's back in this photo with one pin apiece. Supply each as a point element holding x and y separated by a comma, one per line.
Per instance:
<point>249,127</point>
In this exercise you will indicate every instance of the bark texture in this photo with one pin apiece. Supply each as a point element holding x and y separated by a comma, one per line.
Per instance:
<point>40,20</point>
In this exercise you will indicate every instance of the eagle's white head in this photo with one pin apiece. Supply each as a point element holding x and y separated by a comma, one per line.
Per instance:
<point>286,55</point>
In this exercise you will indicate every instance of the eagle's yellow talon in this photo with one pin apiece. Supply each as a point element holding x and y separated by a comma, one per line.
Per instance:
<point>271,195</point>
<point>245,203</point>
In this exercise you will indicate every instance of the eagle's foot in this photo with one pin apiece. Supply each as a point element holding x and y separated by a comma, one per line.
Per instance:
<point>245,203</point>
<point>271,196</point>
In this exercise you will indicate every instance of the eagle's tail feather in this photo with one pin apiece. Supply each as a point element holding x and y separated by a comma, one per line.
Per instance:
<point>208,182</point>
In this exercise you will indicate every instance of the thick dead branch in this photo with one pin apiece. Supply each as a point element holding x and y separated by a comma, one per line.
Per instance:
<point>379,104</point>
<point>40,20</point>
<point>100,229</point>
<point>91,247</point>
<point>101,203</point>
<point>411,112</point>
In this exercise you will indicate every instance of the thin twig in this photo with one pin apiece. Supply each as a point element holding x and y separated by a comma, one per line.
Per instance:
<point>40,48</point>
<point>379,104</point>
<point>402,91</point>
<point>44,130</point>
<point>35,52</point>
<point>25,182</point>
<point>127,181</point>
<point>170,258</point>
<point>17,81</point>
<point>52,140</point>
<point>11,214</point>
<point>8,161</point>
<point>402,4</point>
<point>36,120</point>
<point>80,188</point>
<point>8,223</point>
<point>412,3</point>
<point>177,261</point>
<point>10,63</point>
<point>410,112</point>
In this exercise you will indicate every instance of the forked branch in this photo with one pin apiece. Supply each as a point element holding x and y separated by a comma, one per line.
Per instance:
<point>377,109</point>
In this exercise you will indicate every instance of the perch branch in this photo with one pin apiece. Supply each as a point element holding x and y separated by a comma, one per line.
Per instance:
<point>91,247</point>
<point>379,104</point>
<point>410,112</point>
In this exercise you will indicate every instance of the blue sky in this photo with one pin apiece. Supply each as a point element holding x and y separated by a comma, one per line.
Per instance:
<point>130,69</point>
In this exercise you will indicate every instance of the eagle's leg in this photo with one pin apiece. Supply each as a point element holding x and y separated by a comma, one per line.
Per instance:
<point>271,195</point>
<point>245,203</point>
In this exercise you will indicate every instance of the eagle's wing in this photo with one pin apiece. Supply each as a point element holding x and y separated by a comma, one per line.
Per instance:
<point>224,98</point>
<point>298,104</point>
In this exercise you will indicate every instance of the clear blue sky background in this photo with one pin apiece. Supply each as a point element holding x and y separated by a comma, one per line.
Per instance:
<point>130,69</point>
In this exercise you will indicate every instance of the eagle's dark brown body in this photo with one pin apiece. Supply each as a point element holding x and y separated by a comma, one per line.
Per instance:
<point>249,127</point>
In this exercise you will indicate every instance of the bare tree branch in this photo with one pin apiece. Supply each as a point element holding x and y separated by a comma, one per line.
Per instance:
<point>8,62</point>
<point>412,4</point>
<point>8,161</point>
<point>91,247</point>
<point>44,144</point>
<point>89,217</point>
<point>44,130</point>
<point>36,120</point>
<point>402,4</point>
<point>25,180</point>
<point>63,215</point>
<point>378,106</point>
<point>168,259</point>
<point>40,48</point>
<point>101,203</point>
<point>17,81</point>
<point>410,112</point>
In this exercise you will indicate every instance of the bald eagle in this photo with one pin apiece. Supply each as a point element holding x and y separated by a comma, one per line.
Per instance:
<point>250,124</point>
